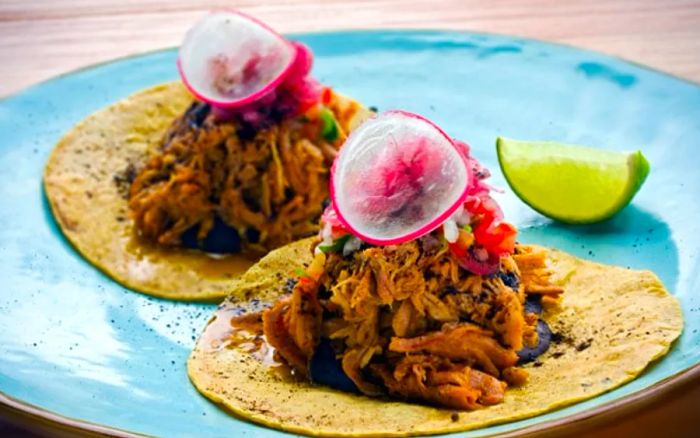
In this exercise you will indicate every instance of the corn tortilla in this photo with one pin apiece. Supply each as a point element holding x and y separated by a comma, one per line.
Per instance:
<point>86,181</point>
<point>613,322</point>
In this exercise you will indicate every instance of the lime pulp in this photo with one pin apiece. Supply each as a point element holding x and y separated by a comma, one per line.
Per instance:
<point>572,184</point>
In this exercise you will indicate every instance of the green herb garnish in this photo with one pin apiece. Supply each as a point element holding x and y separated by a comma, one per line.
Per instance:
<point>302,273</point>
<point>336,246</point>
<point>330,125</point>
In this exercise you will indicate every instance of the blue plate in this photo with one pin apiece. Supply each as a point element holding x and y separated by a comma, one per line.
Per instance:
<point>76,345</point>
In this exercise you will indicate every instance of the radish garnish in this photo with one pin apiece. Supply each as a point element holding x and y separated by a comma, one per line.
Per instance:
<point>398,177</point>
<point>229,59</point>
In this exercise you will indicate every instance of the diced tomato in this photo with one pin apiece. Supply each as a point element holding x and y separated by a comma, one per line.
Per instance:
<point>497,239</point>
<point>331,218</point>
<point>485,207</point>
<point>457,250</point>
<point>326,95</point>
<point>495,236</point>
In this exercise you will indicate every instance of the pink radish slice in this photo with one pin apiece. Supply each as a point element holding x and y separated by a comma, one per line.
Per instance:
<point>229,59</point>
<point>397,177</point>
<point>303,61</point>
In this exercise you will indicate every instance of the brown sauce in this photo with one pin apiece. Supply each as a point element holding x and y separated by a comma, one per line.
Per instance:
<point>229,265</point>
<point>229,328</point>
<point>204,264</point>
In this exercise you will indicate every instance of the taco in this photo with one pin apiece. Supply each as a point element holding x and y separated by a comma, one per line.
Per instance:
<point>437,325</point>
<point>177,190</point>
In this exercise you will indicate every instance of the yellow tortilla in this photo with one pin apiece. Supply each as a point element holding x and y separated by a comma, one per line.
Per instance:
<point>615,322</point>
<point>85,181</point>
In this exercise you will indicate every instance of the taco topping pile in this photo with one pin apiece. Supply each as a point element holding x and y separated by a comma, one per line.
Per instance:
<point>249,161</point>
<point>443,316</point>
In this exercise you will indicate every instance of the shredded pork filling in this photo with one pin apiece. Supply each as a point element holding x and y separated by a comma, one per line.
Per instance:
<point>272,180</point>
<point>409,321</point>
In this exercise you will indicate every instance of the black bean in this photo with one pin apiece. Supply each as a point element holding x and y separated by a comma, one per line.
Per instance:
<point>545,336</point>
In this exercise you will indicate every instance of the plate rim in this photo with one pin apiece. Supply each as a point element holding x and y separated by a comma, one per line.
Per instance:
<point>378,30</point>
<point>14,408</point>
<point>614,409</point>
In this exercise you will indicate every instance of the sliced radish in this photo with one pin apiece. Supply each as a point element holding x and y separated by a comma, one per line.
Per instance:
<point>229,59</point>
<point>397,177</point>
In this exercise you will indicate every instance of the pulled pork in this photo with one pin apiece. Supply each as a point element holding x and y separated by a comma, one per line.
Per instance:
<point>409,321</point>
<point>271,179</point>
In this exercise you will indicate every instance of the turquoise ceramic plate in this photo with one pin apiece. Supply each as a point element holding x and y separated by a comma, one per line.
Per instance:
<point>75,344</point>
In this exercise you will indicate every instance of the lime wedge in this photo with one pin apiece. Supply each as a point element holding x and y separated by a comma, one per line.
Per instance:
<point>573,184</point>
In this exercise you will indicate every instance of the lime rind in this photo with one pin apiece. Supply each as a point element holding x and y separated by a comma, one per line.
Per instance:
<point>569,183</point>
<point>640,162</point>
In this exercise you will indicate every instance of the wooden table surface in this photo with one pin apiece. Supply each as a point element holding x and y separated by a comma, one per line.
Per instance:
<point>42,38</point>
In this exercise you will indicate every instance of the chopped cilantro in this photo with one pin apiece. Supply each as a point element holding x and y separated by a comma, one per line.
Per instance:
<point>330,125</point>
<point>302,273</point>
<point>337,244</point>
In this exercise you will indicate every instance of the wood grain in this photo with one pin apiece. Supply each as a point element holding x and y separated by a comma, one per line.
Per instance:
<point>42,38</point>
